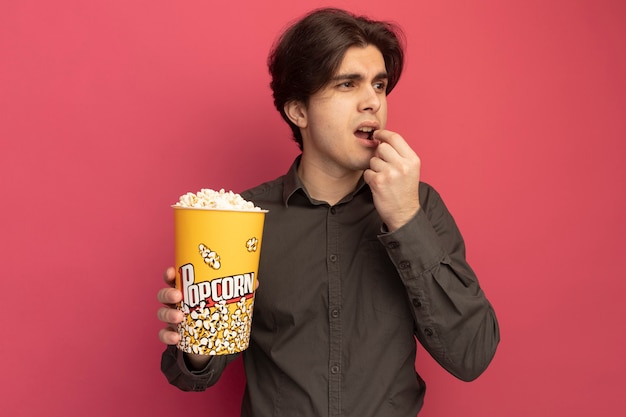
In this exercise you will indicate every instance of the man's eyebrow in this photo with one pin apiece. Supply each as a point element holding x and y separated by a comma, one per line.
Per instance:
<point>357,76</point>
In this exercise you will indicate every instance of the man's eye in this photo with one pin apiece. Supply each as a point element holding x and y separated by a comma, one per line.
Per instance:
<point>380,86</point>
<point>346,84</point>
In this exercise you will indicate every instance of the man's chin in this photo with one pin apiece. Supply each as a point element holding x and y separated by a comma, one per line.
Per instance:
<point>363,166</point>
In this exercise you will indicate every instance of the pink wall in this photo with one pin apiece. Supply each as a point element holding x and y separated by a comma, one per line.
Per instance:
<point>111,109</point>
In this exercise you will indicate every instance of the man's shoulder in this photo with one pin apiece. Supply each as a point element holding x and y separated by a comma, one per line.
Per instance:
<point>270,190</point>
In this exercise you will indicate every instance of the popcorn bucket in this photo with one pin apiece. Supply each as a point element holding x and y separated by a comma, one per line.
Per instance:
<point>217,261</point>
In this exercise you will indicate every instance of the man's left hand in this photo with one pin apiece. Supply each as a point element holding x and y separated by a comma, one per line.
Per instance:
<point>393,177</point>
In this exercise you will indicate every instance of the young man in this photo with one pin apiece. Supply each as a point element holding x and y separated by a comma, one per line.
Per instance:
<point>359,257</point>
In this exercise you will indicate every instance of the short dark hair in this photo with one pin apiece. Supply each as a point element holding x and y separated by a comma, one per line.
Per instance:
<point>309,53</point>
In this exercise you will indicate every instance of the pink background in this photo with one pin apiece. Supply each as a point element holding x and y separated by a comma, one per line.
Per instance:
<point>111,109</point>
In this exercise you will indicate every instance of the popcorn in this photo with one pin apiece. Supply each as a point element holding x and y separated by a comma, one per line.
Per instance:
<point>210,257</point>
<point>218,200</point>
<point>217,330</point>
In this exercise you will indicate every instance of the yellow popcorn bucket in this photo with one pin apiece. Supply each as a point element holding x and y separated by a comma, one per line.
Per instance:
<point>217,260</point>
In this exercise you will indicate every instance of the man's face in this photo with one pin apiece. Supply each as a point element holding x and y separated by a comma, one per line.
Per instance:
<point>340,118</point>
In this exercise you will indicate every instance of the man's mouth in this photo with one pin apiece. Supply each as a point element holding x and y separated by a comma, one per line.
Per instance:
<point>365,133</point>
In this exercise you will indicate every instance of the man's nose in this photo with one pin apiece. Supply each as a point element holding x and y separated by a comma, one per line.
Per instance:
<point>370,100</point>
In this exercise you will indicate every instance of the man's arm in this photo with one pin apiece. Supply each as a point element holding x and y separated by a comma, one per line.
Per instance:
<point>185,371</point>
<point>181,373</point>
<point>454,320</point>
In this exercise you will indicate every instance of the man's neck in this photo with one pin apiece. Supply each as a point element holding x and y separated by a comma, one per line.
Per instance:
<point>324,184</point>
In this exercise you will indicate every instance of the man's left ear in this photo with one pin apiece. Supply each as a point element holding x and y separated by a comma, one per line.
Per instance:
<point>296,111</point>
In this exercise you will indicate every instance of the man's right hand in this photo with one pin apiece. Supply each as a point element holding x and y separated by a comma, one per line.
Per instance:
<point>168,313</point>
<point>171,316</point>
